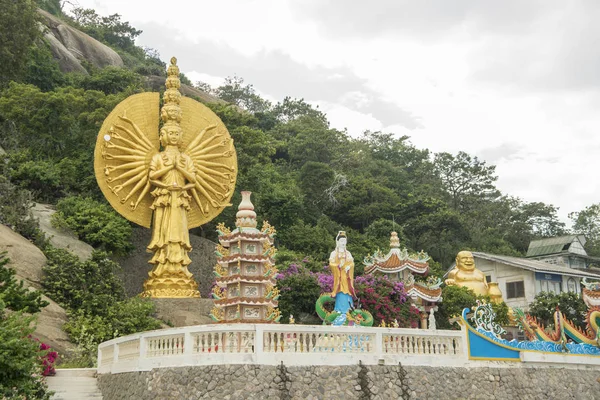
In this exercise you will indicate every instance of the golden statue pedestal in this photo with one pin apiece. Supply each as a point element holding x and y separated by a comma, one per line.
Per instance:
<point>175,287</point>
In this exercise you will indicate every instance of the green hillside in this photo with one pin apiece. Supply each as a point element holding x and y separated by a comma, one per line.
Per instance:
<point>308,179</point>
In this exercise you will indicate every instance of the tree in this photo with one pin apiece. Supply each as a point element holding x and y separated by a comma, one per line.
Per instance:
<point>95,223</point>
<point>234,91</point>
<point>587,222</point>
<point>570,304</point>
<point>42,69</point>
<point>13,294</point>
<point>20,368</point>
<point>110,30</point>
<point>18,32</point>
<point>314,241</point>
<point>299,291</point>
<point>290,109</point>
<point>54,7</point>
<point>464,176</point>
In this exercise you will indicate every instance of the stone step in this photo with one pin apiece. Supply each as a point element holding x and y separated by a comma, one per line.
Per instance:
<point>74,384</point>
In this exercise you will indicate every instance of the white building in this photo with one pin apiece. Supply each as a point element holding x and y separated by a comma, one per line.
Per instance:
<point>567,251</point>
<point>520,279</point>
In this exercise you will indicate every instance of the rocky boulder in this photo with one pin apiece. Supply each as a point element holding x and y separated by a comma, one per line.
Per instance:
<point>59,238</point>
<point>71,46</point>
<point>28,261</point>
<point>184,312</point>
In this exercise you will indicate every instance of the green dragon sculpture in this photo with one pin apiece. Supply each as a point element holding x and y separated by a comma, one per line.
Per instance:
<point>353,317</point>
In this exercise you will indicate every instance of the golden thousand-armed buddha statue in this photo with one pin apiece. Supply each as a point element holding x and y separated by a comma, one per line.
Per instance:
<point>171,179</point>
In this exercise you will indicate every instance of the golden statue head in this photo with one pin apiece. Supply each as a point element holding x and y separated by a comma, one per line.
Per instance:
<point>465,261</point>
<point>171,112</point>
<point>171,134</point>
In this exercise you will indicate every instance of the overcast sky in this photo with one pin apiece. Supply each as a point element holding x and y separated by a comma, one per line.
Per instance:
<point>514,82</point>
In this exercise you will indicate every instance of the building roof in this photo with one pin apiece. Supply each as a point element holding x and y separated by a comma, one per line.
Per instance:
<point>396,260</point>
<point>536,266</point>
<point>425,293</point>
<point>552,245</point>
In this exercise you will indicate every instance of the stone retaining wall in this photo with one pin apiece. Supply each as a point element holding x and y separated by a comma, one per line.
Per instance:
<point>352,382</point>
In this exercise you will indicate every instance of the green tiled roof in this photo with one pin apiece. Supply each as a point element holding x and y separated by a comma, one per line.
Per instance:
<point>549,246</point>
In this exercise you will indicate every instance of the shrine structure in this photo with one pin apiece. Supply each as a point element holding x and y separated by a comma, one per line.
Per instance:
<point>399,265</point>
<point>245,290</point>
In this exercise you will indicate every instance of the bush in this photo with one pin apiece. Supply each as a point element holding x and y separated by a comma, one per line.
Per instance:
<point>95,301</point>
<point>15,211</point>
<point>90,286</point>
<point>299,291</point>
<point>95,223</point>
<point>88,330</point>
<point>123,318</point>
<point>570,304</point>
<point>13,294</point>
<point>386,301</point>
<point>456,299</point>
<point>20,364</point>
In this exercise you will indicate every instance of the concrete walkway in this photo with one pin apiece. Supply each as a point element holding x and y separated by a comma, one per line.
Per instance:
<point>74,384</point>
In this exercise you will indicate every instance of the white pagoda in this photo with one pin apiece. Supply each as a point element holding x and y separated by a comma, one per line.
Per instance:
<point>245,290</point>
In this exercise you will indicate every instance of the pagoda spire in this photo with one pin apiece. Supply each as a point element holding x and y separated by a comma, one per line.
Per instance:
<point>394,241</point>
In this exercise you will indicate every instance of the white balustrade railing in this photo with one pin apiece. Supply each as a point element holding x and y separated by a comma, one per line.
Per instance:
<point>273,344</point>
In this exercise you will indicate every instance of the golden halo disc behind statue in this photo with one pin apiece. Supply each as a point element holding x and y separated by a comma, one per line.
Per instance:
<point>172,179</point>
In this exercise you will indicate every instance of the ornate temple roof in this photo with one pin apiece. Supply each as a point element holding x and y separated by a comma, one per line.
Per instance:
<point>425,293</point>
<point>253,235</point>
<point>246,257</point>
<point>429,290</point>
<point>253,301</point>
<point>396,260</point>
<point>244,278</point>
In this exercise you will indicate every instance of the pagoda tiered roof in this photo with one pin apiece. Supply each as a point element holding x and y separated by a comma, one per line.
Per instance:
<point>253,301</point>
<point>251,236</point>
<point>244,278</point>
<point>426,293</point>
<point>396,260</point>
<point>245,257</point>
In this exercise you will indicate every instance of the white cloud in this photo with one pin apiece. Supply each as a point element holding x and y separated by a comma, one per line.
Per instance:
<point>511,81</point>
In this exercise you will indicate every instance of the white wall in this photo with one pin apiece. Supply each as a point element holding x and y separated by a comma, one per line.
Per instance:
<point>503,273</point>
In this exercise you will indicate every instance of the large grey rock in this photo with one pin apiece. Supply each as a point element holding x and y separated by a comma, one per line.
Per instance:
<point>67,62</point>
<point>25,258</point>
<point>28,261</point>
<point>60,238</point>
<point>184,312</point>
<point>48,328</point>
<point>135,266</point>
<point>80,45</point>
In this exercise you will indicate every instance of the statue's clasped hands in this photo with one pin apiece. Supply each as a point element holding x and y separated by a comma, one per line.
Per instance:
<point>180,163</point>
